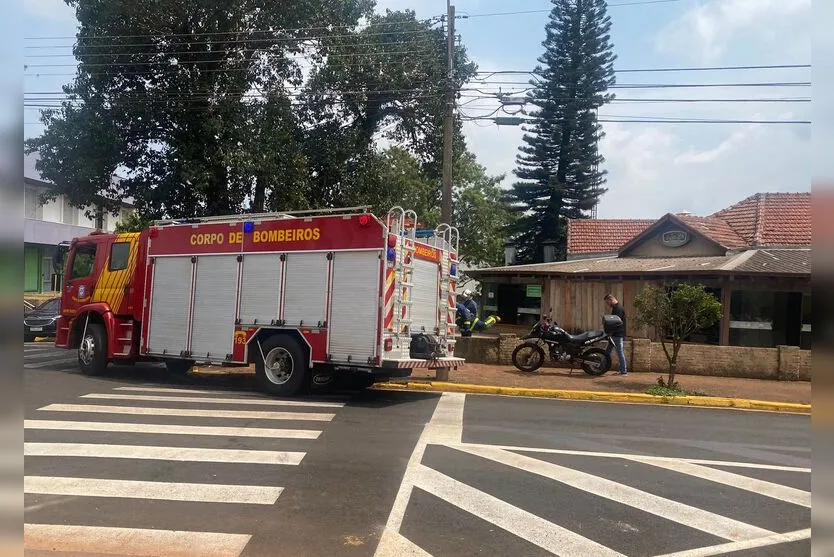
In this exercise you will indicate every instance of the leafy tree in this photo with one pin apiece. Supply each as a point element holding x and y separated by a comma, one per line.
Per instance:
<point>559,164</point>
<point>214,107</point>
<point>481,213</point>
<point>133,223</point>
<point>675,314</point>
<point>163,92</point>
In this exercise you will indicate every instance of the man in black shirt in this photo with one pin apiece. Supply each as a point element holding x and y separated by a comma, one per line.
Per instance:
<point>619,336</point>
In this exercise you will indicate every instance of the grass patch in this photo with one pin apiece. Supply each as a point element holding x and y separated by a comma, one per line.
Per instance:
<point>667,390</point>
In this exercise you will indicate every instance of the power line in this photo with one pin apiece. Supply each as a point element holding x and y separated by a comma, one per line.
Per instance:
<point>644,120</point>
<point>214,61</point>
<point>658,100</point>
<point>356,27</point>
<point>232,51</point>
<point>276,40</point>
<point>526,12</point>
<point>647,70</point>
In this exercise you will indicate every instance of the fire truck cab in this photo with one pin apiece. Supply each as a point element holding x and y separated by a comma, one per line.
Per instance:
<point>302,295</point>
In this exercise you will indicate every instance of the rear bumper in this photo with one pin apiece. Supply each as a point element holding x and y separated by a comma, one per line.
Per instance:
<point>440,363</point>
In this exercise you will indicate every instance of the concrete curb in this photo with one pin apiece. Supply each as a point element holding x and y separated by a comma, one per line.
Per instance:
<point>701,401</point>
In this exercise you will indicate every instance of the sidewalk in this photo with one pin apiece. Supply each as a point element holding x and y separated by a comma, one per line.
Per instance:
<point>798,392</point>
<point>556,378</point>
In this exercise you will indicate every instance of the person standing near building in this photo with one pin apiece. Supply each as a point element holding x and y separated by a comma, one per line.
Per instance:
<point>619,336</point>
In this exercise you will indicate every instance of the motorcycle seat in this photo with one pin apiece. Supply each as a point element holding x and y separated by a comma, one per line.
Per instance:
<point>583,337</point>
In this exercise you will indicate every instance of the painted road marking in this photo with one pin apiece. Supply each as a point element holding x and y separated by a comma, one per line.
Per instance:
<point>95,450</point>
<point>131,541</point>
<point>768,489</point>
<point>268,433</point>
<point>525,525</point>
<point>447,409</point>
<point>692,517</point>
<point>207,400</point>
<point>394,543</point>
<point>232,414</point>
<point>646,458</point>
<point>765,541</point>
<point>126,489</point>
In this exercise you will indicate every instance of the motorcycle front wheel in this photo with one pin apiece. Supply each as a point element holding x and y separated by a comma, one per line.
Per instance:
<point>528,357</point>
<point>595,362</point>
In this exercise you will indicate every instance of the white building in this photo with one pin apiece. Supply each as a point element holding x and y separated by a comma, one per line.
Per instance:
<point>48,225</point>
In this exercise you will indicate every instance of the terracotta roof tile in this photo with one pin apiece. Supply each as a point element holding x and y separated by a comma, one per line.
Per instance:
<point>602,235</point>
<point>716,229</point>
<point>771,219</point>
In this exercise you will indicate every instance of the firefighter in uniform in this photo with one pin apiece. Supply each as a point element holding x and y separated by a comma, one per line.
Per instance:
<point>468,314</point>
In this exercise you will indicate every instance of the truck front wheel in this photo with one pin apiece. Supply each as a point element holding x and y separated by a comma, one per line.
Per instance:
<point>282,370</point>
<point>92,353</point>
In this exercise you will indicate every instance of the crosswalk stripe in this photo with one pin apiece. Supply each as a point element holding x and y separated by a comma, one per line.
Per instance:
<point>143,452</point>
<point>30,350</point>
<point>119,427</point>
<point>692,517</point>
<point>131,541</point>
<point>168,491</point>
<point>732,547</point>
<point>50,363</point>
<point>768,489</point>
<point>231,414</point>
<point>394,544</point>
<point>525,525</point>
<point>706,462</point>
<point>208,400</point>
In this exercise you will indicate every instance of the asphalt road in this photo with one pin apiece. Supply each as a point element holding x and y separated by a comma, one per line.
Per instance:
<point>136,460</point>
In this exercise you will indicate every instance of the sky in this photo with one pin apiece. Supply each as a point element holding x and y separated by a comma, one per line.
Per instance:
<point>653,168</point>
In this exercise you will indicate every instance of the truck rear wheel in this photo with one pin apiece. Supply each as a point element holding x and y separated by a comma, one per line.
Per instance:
<point>283,369</point>
<point>92,353</point>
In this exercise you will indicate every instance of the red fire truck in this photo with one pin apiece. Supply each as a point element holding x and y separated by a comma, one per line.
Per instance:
<point>301,295</point>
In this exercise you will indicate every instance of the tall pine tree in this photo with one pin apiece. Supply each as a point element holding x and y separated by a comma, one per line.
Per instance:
<point>559,165</point>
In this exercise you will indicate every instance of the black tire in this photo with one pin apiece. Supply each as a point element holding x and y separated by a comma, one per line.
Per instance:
<point>286,371</point>
<point>179,367</point>
<point>599,355</point>
<point>526,366</point>
<point>92,352</point>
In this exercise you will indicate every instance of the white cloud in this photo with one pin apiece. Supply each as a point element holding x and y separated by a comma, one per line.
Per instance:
<point>706,31</point>
<point>52,10</point>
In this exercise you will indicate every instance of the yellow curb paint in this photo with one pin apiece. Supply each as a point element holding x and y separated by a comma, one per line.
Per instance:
<point>701,401</point>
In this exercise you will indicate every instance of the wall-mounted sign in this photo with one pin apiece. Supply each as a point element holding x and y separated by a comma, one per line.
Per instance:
<point>534,291</point>
<point>674,238</point>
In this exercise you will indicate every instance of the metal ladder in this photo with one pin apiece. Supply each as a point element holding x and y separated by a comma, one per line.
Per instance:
<point>403,267</point>
<point>447,238</point>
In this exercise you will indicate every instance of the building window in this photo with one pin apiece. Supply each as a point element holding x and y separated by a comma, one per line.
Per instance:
<point>70,213</point>
<point>119,255</point>
<point>767,318</point>
<point>805,331</point>
<point>30,203</point>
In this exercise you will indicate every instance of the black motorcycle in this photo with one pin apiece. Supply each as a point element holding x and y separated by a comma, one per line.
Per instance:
<point>564,347</point>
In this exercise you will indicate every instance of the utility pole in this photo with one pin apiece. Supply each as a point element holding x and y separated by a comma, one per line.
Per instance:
<point>448,118</point>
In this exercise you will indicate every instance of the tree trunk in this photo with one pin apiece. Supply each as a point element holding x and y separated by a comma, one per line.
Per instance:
<point>258,201</point>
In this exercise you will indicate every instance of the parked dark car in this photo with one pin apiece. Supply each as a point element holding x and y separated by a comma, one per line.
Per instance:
<point>42,321</point>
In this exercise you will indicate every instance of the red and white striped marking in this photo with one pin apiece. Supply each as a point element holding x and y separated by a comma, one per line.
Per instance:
<point>389,299</point>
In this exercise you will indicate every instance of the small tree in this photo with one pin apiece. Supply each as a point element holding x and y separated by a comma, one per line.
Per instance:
<point>675,314</point>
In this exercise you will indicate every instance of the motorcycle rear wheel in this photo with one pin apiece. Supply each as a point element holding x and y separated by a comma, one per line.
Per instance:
<point>529,363</point>
<point>595,362</point>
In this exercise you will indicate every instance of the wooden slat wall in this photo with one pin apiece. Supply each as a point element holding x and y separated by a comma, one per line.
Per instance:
<point>578,305</point>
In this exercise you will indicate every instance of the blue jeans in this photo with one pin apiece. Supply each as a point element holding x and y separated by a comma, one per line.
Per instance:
<point>618,344</point>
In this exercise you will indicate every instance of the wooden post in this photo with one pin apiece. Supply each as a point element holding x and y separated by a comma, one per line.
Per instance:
<point>726,296</point>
